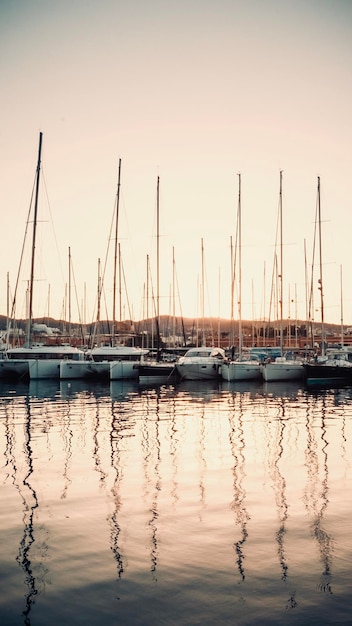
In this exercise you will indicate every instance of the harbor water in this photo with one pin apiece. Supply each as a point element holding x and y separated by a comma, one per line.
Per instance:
<point>196,504</point>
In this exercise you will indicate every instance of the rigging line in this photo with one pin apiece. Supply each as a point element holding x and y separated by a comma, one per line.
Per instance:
<point>206,289</point>
<point>109,241</point>
<point>275,261</point>
<point>311,293</point>
<point>52,224</point>
<point>77,303</point>
<point>13,306</point>
<point>125,285</point>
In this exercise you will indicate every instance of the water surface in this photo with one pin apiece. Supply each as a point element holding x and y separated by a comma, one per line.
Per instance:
<point>202,504</point>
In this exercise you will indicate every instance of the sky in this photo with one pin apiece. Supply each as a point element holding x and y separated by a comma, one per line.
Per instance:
<point>192,93</point>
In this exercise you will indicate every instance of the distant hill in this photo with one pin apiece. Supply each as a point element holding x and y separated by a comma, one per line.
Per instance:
<point>167,322</point>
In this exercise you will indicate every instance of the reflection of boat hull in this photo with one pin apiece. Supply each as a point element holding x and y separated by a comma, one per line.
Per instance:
<point>120,389</point>
<point>157,373</point>
<point>241,370</point>
<point>316,374</point>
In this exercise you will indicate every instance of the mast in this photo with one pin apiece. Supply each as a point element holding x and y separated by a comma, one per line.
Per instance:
<point>341,306</point>
<point>232,332</point>
<point>202,296</point>
<point>320,281</point>
<point>69,290</point>
<point>239,226</point>
<point>7,310</point>
<point>98,302</point>
<point>281,270</point>
<point>116,250</point>
<point>31,280</point>
<point>173,297</point>
<point>157,271</point>
<point>219,301</point>
<point>120,284</point>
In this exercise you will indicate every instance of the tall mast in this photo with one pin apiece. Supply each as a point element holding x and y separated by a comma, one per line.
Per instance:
<point>239,226</point>
<point>173,297</point>
<point>99,302</point>
<point>157,271</point>
<point>116,255</point>
<point>232,333</point>
<point>341,305</point>
<point>202,295</point>
<point>31,281</point>
<point>320,281</point>
<point>157,252</point>
<point>69,290</point>
<point>281,269</point>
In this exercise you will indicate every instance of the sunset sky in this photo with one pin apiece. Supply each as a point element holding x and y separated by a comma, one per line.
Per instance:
<point>193,93</point>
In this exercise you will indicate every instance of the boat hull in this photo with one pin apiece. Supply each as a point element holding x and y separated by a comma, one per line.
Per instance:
<point>120,370</point>
<point>44,369</point>
<point>241,370</point>
<point>199,371</point>
<point>201,363</point>
<point>75,370</point>
<point>316,374</point>
<point>39,362</point>
<point>157,373</point>
<point>14,369</point>
<point>277,371</point>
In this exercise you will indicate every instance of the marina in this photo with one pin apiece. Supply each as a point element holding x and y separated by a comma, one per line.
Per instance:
<point>195,503</point>
<point>175,332</point>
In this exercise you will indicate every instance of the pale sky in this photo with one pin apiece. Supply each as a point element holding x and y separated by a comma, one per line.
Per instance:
<point>193,93</point>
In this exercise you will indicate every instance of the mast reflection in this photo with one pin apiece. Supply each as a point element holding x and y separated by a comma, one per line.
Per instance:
<point>30,504</point>
<point>237,443</point>
<point>122,426</point>
<point>316,493</point>
<point>151,458</point>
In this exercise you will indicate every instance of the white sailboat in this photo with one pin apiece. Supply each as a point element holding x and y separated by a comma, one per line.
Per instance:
<point>157,371</point>
<point>115,361</point>
<point>282,368</point>
<point>36,360</point>
<point>242,367</point>
<point>333,366</point>
<point>201,363</point>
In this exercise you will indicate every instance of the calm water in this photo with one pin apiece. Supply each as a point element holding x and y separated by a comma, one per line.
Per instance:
<point>201,504</point>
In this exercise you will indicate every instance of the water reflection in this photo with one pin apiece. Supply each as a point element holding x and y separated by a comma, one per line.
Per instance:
<point>116,434</point>
<point>151,463</point>
<point>30,503</point>
<point>316,493</point>
<point>214,497</point>
<point>237,443</point>
<point>279,485</point>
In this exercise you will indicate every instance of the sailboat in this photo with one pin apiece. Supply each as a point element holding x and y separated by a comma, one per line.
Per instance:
<point>117,360</point>
<point>243,367</point>
<point>201,363</point>
<point>334,366</point>
<point>282,368</point>
<point>37,360</point>
<point>157,371</point>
